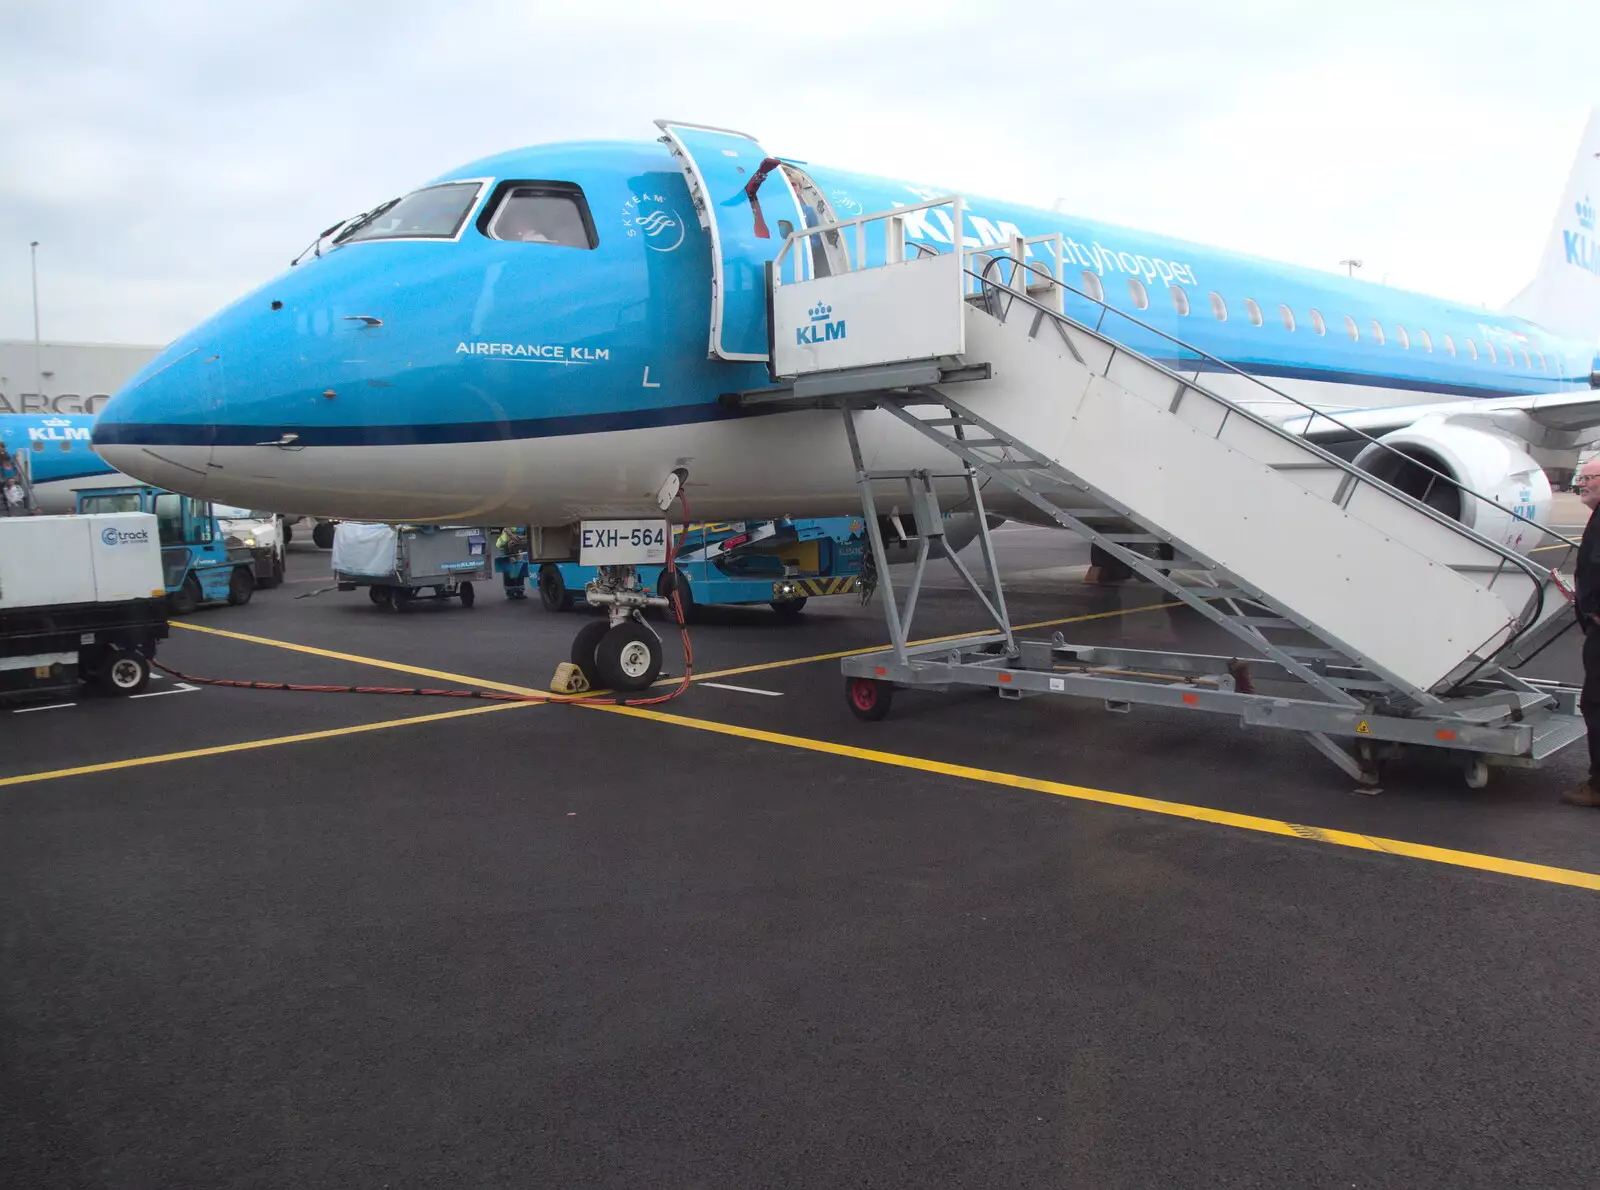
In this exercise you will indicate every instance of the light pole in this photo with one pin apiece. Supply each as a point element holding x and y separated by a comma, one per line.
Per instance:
<point>1350,267</point>
<point>38,367</point>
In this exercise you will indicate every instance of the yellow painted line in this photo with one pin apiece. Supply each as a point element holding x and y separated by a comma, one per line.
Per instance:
<point>932,640</point>
<point>442,675</point>
<point>247,745</point>
<point>1559,546</point>
<point>1248,822</point>
<point>485,684</point>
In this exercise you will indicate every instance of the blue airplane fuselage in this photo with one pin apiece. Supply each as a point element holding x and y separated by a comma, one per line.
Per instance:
<point>467,339</point>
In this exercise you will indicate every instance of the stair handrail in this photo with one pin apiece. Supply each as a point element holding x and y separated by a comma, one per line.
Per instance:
<point>999,252</point>
<point>1537,576</point>
<point>1348,466</point>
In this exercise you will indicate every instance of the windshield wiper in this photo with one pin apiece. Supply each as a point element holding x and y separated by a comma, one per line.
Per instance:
<point>317,243</point>
<point>344,227</point>
<point>363,220</point>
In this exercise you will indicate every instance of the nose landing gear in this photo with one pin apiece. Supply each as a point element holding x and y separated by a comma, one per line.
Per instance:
<point>622,652</point>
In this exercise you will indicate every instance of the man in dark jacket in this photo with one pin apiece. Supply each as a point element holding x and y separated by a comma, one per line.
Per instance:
<point>1587,572</point>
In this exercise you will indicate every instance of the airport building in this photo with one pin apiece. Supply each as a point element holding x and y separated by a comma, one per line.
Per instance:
<point>57,377</point>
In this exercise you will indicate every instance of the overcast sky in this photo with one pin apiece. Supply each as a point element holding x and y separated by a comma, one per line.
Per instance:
<point>169,155</point>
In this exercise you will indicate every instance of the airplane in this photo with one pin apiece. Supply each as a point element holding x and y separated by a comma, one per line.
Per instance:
<point>524,340</point>
<point>60,456</point>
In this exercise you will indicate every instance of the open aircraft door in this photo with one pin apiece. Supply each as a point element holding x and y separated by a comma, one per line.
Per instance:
<point>746,199</point>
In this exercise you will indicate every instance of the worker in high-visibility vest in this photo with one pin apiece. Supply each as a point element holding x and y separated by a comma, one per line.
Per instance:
<point>513,561</point>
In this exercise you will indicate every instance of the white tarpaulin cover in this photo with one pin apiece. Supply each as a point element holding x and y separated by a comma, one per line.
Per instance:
<point>364,549</point>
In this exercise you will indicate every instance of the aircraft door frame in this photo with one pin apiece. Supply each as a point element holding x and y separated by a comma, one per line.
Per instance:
<point>723,171</point>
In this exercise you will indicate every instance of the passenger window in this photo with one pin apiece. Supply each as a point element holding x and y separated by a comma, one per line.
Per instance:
<point>1400,334</point>
<point>1494,358</point>
<point>1377,331</point>
<point>1543,367</point>
<point>1449,344</point>
<point>38,444</point>
<point>1427,340</point>
<point>1136,290</point>
<point>169,517</point>
<point>1219,307</point>
<point>1526,363</point>
<point>546,213</point>
<point>66,444</point>
<point>1472,348</point>
<point>1253,310</point>
<point>1092,287</point>
<point>1180,300</point>
<point>1288,317</point>
<point>1317,322</point>
<point>1350,329</point>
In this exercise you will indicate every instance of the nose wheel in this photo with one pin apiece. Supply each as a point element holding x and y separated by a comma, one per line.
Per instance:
<point>625,657</point>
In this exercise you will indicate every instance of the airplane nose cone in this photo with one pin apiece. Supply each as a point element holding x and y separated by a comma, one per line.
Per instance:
<point>158,427</point>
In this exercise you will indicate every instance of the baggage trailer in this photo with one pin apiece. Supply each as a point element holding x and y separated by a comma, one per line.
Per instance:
<point>399,564</point>
<point>81,600</point>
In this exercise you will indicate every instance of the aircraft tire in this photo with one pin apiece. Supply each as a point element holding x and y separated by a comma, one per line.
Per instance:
<point>322,535</point>
<point>584,646</point>
<point>288,533</point>
<point>553,592</point>
<point>628,657</point>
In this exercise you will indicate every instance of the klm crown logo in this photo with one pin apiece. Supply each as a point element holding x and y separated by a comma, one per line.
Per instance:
<point>1585,210</point>
<point>820,330</point>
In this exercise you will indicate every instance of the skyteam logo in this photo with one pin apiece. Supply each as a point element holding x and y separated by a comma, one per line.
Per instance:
<point>821,329</point>
<point>648,215</point>
<point>1582,251</point>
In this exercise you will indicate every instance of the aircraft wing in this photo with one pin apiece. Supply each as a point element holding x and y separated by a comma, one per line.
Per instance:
<point>1538,418</point>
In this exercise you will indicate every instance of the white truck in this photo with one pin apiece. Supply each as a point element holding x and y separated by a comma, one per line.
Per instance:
<point>82,599</point>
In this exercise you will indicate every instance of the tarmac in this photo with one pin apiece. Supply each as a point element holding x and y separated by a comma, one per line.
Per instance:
<point>256,938</point>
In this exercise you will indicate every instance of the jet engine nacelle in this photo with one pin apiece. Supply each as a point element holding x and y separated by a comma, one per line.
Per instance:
<point>1492,464</point>
<point>959,530</point>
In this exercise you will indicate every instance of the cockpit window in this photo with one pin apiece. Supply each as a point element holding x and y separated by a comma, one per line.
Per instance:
<point>539,213</point>
<point>433,213</point>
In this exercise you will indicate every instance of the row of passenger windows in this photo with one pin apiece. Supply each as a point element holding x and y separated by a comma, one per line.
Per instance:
<point>1532,358</point>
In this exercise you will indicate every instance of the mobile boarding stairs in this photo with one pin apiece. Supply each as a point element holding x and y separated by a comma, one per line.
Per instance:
<point>1372,620</point>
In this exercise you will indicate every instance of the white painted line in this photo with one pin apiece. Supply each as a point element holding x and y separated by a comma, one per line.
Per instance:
<point>744,689</point>
<point>55,706</point>
<point>180,688</point>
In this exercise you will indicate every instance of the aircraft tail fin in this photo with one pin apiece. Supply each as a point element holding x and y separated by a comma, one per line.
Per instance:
<point>1564,294</point>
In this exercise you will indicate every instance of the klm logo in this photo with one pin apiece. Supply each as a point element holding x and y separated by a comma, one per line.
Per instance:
<point>820,330</point>
<point>1582,250</point>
